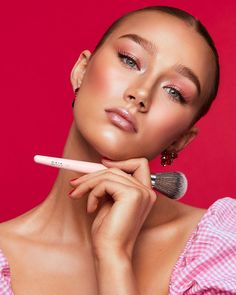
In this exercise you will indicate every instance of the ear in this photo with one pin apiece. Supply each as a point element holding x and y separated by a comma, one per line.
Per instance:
<point>79,69</point>
<point>184,139</point>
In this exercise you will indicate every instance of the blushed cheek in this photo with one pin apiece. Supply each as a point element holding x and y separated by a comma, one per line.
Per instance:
<point>97,76</point>
<point>104,78</point>
<point>168,124</point>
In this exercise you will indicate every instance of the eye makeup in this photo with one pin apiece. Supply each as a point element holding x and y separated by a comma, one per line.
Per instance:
<point>181,86</point>
<point>176,85</point>
<point>131,50</point>
<point>175,94</point>
<point>129,59</point>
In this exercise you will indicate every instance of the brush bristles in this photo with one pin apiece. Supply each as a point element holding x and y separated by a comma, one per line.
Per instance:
<point>172,184</point>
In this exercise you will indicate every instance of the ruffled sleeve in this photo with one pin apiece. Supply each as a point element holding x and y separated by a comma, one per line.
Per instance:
<point>208,263</point>
<point>5,281</point>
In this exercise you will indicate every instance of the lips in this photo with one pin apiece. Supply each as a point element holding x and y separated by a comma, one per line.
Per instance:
<point>121,118</point>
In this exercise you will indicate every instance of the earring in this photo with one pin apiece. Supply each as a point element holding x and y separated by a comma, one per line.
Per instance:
<point>75,91</point>
<point>168,157</point>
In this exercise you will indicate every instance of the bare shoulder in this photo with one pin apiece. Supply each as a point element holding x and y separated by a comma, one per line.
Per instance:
<point>188,213</point>
<point>162,241</point>
<point>9,226</point>
<point>12,233</point>
<point>18,224</point>
<point>8,230</point>
<point>186,219</point>
<point>173,214</point>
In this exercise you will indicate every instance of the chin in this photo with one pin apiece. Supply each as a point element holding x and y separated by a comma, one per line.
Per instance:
<point>111,148</point>
<point>110,142</point>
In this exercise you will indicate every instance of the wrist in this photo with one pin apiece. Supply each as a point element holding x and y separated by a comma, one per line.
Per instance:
<point>114,256</point>
<point>115,273</point>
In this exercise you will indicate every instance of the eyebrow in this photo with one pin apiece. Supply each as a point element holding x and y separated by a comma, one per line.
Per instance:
<point>188,73</point>
<point>146,44</point>
<point>151,48</point>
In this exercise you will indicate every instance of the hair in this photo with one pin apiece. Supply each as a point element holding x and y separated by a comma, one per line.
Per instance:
<point>199,28</point>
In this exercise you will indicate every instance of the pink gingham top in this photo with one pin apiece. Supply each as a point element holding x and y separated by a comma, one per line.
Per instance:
<point>207,265</point>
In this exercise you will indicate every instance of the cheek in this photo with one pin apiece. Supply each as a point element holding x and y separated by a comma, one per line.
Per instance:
<point>103,77</point>
<point>97,76</point>
<point>168,121</point>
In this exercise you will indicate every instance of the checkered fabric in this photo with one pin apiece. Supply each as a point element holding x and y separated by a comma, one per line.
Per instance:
<point>5,287</point>
<point>207,265</point>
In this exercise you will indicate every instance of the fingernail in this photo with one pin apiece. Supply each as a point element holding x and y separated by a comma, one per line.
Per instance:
<point>73,179</point>
<point>70,193</point>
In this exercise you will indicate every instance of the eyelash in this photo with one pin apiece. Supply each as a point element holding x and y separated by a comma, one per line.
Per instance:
<point>124,55</point>
<point>180,98</point>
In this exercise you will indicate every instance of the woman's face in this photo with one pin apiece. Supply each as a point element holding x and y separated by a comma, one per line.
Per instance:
<point>154,67</point>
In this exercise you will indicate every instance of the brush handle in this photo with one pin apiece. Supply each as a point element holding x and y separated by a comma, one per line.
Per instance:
<point>88,167</point>
<point>74,165</point>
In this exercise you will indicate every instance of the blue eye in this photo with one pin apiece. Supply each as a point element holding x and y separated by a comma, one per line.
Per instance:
<point>174,94</point>
<point>128,60</point>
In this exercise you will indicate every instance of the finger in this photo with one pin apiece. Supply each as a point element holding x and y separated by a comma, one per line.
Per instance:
<point>134,198</point>
<point>101,214</point>
<point>88,184</point>
<point>109,173</point>
<point>139,168</point>
<point>144,197</point>
<point>87,176</point>
<point>95,196</point>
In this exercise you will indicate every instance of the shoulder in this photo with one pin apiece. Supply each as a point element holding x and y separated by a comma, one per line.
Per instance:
<point>208,262</point>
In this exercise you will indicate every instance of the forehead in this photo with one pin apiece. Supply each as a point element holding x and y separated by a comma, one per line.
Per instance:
<point>176,41</point>
<point>162,28</point>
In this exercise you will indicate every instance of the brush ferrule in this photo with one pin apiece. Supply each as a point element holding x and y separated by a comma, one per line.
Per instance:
<point>153,179</point>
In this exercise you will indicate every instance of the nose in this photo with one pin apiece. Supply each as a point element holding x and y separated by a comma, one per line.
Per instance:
<point>139,97</point>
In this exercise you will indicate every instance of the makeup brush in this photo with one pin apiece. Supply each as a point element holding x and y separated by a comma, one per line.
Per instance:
<point>171,184</point>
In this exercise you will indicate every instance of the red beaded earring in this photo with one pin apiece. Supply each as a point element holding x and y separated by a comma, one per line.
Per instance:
<point>168,157</point>
<point>75,91</point>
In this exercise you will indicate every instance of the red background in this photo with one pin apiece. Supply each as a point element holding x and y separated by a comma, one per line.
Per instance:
<point>40,42</point>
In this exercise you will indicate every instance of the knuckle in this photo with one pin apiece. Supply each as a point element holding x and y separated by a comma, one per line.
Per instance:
<point>137,193</point>
<point>140,194</point>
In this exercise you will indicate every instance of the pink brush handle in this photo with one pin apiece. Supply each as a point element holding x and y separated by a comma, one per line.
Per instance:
<point>171,184</point>
<point>79,166</point>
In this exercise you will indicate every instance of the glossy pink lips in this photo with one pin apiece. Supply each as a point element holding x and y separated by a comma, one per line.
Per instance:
<point>121,118</point>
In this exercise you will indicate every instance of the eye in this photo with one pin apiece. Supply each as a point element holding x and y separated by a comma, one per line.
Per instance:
<point>175,94</point>
<point>128,60</point>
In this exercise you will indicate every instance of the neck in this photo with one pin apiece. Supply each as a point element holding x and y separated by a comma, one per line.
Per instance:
<point>60,219</point>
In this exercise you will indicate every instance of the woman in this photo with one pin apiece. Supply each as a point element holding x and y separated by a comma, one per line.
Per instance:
<point>151,77</point>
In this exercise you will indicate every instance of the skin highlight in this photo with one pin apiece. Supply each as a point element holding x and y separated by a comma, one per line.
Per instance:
<point>196,24</point>
<point>148,83</point>
<point>62,230</point>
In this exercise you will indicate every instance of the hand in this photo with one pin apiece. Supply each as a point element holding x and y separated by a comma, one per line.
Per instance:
<point>120,219</point>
